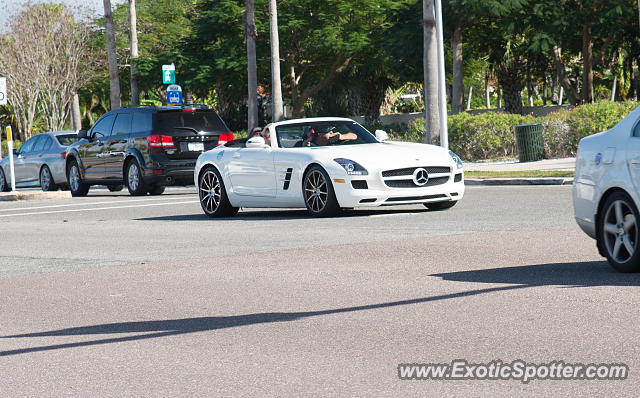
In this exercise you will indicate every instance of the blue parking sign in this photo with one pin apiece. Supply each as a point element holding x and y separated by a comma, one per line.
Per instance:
<point>174,95</point>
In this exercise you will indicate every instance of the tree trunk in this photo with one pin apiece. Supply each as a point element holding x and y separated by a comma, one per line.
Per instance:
<point>430,56</point>
<point>509,77</point>
<point>276,86</point>
<point>457,96</point>
<point>133,44</point>
<point>572,93</point>
<point>294,86</point>
<point>587,64</point>
<point>250,35</point>
<point>469,98</point>
<point>114,80</point>
<point>339,65</point>
<point>614,86</point>
<point>75,112</point>
<point>561,95</point>
<point>499,96</point>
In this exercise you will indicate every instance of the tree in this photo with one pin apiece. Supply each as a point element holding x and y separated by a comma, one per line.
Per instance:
<point>133,38</point>
<point>250,34</point>
<point>276,87</point>
<point>114,81</point>
<point>46,58</point>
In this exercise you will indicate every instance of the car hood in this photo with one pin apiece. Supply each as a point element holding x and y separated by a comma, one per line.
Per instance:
<point>388,155</point>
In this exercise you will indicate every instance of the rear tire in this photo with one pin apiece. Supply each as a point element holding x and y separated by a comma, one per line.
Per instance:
<point>74,179</point>
<point>318,193</point>
<point>618,232</point>
<point>213,194</point>
<point>4,184</point>
<point>133,179</point>
<point>440,205</point>
<point>46,180</point>
<point>115,188</point>
<point>156,190</point>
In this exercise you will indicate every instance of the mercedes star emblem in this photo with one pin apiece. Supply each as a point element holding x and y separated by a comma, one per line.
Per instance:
<point>420,176</point>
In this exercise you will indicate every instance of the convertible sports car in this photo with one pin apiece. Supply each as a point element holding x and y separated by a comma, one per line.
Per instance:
<point>282,167</point>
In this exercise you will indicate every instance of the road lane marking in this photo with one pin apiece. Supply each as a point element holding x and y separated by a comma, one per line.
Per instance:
<point>83,203</point>
<point>95,209</point>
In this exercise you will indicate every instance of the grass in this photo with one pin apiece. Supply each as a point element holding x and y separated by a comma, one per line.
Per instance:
<point>519,174</point>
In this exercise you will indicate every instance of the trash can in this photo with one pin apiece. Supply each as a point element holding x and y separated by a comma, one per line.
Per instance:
<point>529,141</point>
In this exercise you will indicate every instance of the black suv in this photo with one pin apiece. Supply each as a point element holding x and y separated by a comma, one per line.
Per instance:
<point>143,148</point>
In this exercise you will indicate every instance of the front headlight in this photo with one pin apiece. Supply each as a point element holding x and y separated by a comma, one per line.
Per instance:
<point>456,159</point>
<point>351,167</point>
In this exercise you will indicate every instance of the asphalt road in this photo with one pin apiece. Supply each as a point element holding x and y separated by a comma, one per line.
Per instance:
<point>110,295</point>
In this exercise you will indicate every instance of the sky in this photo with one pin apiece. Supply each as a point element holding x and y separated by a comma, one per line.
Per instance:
<point>11,8</point>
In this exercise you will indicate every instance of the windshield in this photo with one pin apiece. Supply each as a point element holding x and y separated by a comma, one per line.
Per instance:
<point>295,135</point>
<point>67,139</point>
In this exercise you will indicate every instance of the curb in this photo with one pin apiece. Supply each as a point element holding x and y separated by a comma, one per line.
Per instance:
<point>14,196</point>
<point>518,181</point>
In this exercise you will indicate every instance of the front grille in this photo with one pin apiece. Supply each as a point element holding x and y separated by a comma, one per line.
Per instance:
<point>410,184</point>
<point>407,198</point>
<point>359,184</point>
<point>409,171</point>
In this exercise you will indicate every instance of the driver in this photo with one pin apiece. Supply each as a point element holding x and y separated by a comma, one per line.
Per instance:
<point>326,136</point>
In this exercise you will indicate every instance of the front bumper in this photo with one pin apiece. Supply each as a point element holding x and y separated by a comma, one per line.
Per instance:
<point>378,193</point>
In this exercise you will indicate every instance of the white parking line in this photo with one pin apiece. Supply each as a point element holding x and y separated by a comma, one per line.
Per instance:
<point>82,204</point>
<point>95,209</point>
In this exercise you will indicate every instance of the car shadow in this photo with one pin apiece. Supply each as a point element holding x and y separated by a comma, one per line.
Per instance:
<point>567,275</point>
<point>581,274</point>
<point>278,215</point>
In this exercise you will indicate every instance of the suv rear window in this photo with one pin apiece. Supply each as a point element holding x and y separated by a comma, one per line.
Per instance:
<point>200,120</point>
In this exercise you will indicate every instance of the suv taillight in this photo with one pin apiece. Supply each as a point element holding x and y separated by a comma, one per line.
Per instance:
<point>224,138</point>
<point>160,141</point>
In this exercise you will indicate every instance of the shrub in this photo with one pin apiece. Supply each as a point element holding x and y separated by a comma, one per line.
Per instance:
<point>491,135</point>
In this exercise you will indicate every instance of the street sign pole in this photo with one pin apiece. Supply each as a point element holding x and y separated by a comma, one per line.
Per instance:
<point>10,147</point>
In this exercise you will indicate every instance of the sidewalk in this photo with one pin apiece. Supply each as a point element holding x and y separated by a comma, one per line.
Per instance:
<point>514,165</point>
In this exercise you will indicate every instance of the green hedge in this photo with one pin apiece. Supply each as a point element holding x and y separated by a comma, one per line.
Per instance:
<point>491,136</point>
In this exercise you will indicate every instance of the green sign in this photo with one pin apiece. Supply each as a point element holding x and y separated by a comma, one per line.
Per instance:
<point>168,74</point>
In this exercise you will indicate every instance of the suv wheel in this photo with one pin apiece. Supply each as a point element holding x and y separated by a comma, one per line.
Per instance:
<point>156,190</point>
<point>133,178</point>
<point>77,187</point>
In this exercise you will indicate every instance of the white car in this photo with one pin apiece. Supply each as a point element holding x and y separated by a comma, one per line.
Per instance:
<point>354,170</point>
<point>606,191</point>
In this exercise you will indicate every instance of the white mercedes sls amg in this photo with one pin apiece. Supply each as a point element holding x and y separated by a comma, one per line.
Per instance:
<point>325,165</point>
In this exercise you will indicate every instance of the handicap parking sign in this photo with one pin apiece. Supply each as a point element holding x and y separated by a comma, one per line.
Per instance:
<point>174,95</point>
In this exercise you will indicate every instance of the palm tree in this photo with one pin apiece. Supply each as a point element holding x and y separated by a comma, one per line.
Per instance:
<point>432,117</point>
<point>250,34</point>
<point>133,43</point>
<point>276,89</point>
<point>111,54</point>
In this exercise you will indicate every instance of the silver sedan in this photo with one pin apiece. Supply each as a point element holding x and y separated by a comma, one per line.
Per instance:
<point>39,161</point>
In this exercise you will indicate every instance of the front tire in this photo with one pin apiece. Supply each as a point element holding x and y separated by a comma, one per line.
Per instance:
<point>46,180</point>
<point>213,194</point>
<point>76,186</point>
<point>440,205</point>
<point>133,178</point>
<point>618,232</point>
<point>318,193</point>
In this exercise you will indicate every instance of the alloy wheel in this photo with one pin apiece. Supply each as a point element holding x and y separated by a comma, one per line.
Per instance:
<point>45,179</point>
<point>620,231</point>
<point>74,178</point>
<point>315,191</point>
<point>133,178</point>
<point>210,191</point>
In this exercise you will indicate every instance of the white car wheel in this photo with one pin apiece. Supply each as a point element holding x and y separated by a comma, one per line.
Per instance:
<point>318,193</point>
<point>213,195</point>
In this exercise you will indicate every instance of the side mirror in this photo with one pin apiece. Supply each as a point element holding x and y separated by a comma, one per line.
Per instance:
<point>83,134</point>
<point>256,142</point>
<point>382,135</point>
<point>16,152</point>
